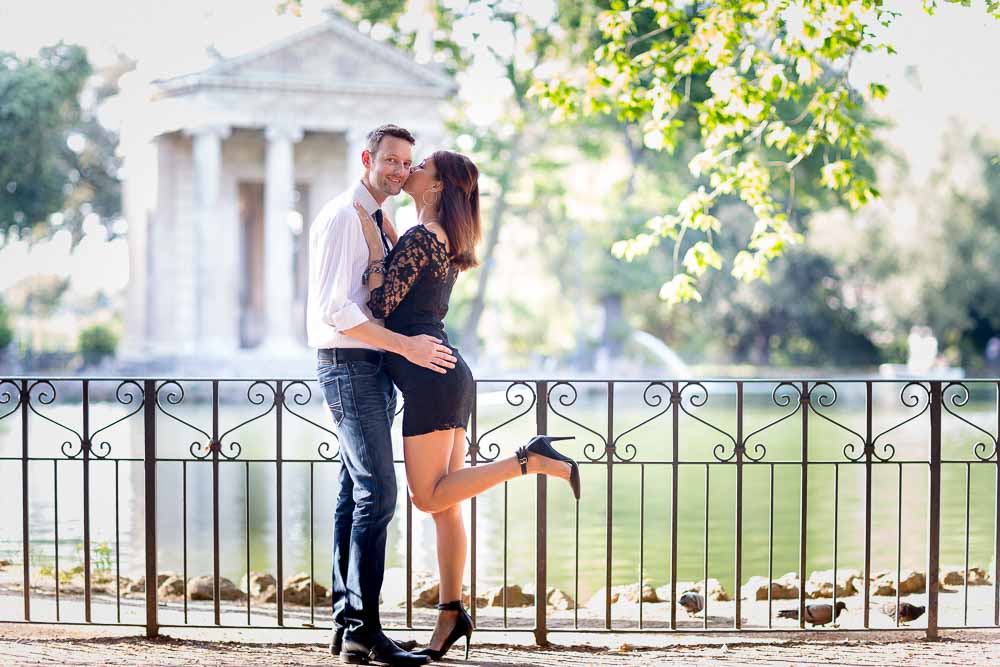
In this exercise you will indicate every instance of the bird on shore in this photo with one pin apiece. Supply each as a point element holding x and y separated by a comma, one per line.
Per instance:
<point>693,602</point>
<point>907,612</point>
<point>816,614</point>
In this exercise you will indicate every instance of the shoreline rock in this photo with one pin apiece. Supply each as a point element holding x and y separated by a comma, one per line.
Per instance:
<point>785,587</point>
<point>626,593</point>
<point>261,587</point>
<point>955,575</point>
<point>820,583</point>
<point>256,584</point>
<point>910,581</point>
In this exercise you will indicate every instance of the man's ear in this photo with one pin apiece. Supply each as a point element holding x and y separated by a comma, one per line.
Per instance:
<point>366,159</point>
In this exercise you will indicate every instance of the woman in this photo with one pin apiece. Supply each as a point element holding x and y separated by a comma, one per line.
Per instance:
<point>410,289</point>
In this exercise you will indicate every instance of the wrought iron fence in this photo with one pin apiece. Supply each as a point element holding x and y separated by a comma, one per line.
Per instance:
<point>645,430</point>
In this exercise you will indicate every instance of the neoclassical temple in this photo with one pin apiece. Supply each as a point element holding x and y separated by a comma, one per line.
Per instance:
<point>225,168</point>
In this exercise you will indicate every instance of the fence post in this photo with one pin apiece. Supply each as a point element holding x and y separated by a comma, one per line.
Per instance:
<point>149,465</point>
<point>541,527</point>
<point>25,397</point>
<point>934,513</point>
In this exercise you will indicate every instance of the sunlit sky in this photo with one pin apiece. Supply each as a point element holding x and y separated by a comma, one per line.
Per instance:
<point>946,70</point>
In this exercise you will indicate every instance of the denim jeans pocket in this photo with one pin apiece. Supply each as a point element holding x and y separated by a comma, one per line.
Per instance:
<point>364,368</point>
<point>331,391</point>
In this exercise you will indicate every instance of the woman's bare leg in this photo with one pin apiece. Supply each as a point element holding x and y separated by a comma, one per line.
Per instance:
<point>439,481</point>
<point>434,487</point>
<point>451,548</point>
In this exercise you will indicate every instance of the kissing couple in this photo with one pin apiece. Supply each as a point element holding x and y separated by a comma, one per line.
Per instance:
<point>375,314</point>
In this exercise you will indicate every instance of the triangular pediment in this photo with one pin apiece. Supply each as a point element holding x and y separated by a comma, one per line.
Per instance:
<point>333,52</point>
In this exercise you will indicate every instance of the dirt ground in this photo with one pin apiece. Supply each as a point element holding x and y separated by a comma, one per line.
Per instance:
<point>22,644</point>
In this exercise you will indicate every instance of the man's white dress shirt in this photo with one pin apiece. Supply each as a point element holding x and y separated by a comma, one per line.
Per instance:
<point>338,255</point>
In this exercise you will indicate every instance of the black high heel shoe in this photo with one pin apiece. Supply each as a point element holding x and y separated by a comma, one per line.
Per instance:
<point>542,445</point>
<point>463,627</point>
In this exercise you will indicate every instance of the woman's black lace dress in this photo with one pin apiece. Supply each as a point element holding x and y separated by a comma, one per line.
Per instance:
<point>414,300</point>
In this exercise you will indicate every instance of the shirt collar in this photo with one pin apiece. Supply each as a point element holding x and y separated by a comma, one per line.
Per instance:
<point>361,194</point>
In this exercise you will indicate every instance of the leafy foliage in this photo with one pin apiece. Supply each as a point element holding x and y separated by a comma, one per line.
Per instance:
<point>757,61</point>
<point>6,328</point>
<point>97,342</point>
<point>54,156</point>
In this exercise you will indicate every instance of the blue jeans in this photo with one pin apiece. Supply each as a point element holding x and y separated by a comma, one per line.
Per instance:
<point>362,401</point>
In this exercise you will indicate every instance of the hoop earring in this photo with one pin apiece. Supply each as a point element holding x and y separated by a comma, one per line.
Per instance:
<point>424,198</point>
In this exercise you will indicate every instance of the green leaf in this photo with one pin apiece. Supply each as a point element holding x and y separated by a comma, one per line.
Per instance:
<point>700,257</point>
<point>680,289</point>
<point>878,91</point>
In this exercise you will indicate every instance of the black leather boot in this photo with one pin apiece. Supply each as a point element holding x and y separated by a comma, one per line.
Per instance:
<point>337,642</point>
<point>380,651</point>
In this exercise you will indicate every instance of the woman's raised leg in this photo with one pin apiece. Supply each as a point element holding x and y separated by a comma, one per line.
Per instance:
<point>433,487</point>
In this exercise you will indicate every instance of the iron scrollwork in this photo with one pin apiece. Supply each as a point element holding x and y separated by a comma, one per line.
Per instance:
<point>47,396</point>
<point>959,399</point>
<point>699,398</point>
<point>6,397</point>
<point>653,399</point>
<point>566,401</point>
<point>127,393</point>
<point>855,452</point>
<point>301,394</point>
<point>256,398</point>
<point>912,401</point>
<point>175,396</point>
<point>514,399</point>
<point>782,400</point>
<point>825,395</point>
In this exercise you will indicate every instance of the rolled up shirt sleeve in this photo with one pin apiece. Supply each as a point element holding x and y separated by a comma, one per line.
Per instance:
<point>340,254</point>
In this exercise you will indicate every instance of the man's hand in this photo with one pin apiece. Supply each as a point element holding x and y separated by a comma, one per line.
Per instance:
<point>427,351</point>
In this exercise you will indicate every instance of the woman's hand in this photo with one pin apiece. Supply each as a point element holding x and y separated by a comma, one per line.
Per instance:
<point>372,236</point>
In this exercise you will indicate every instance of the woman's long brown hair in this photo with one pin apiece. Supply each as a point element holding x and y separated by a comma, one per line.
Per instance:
<point>458,210</point>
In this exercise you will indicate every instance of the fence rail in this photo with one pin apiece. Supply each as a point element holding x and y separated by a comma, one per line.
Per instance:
<point>897,426</point>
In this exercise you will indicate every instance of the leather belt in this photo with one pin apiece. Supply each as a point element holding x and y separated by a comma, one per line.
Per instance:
<point>340,355</point>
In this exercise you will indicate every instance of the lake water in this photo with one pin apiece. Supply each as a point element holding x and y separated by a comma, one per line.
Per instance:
<point>634,484</point>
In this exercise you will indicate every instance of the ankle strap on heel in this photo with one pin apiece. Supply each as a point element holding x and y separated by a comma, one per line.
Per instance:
<point>454,605</point>
<point>522,458</point>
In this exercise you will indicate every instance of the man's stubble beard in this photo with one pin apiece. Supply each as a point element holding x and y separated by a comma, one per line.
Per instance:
<point>388,189</point>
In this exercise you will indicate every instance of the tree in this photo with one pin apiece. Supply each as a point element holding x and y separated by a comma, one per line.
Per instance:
<point>950,270</point>
<point>55,158</point>
<point>736,314</point>
<point>6,329</point>
<point>758,59</point>
<point>798,318</point>
<point>96,342</point>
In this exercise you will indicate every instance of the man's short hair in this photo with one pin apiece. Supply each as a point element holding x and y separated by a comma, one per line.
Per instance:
<point>388,130</point>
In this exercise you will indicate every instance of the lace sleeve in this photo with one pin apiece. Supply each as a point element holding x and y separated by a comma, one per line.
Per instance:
<point>407,261</point>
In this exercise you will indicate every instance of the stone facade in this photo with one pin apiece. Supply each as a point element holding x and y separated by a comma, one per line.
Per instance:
<point>224,170</point>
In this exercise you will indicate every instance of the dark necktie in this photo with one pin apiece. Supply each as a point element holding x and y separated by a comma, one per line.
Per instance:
<point>378,223</point>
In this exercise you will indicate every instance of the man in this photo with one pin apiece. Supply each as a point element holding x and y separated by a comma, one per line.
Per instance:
<point>360,395</point>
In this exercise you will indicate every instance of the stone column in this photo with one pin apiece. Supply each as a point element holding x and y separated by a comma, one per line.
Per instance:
<point>279,279</point>
<point>355,139</point>
<point>139,159</point>
<point>216,248</point>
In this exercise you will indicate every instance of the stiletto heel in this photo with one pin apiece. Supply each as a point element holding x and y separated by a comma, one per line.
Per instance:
<point>463,627</point>
<point>542,445</point>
